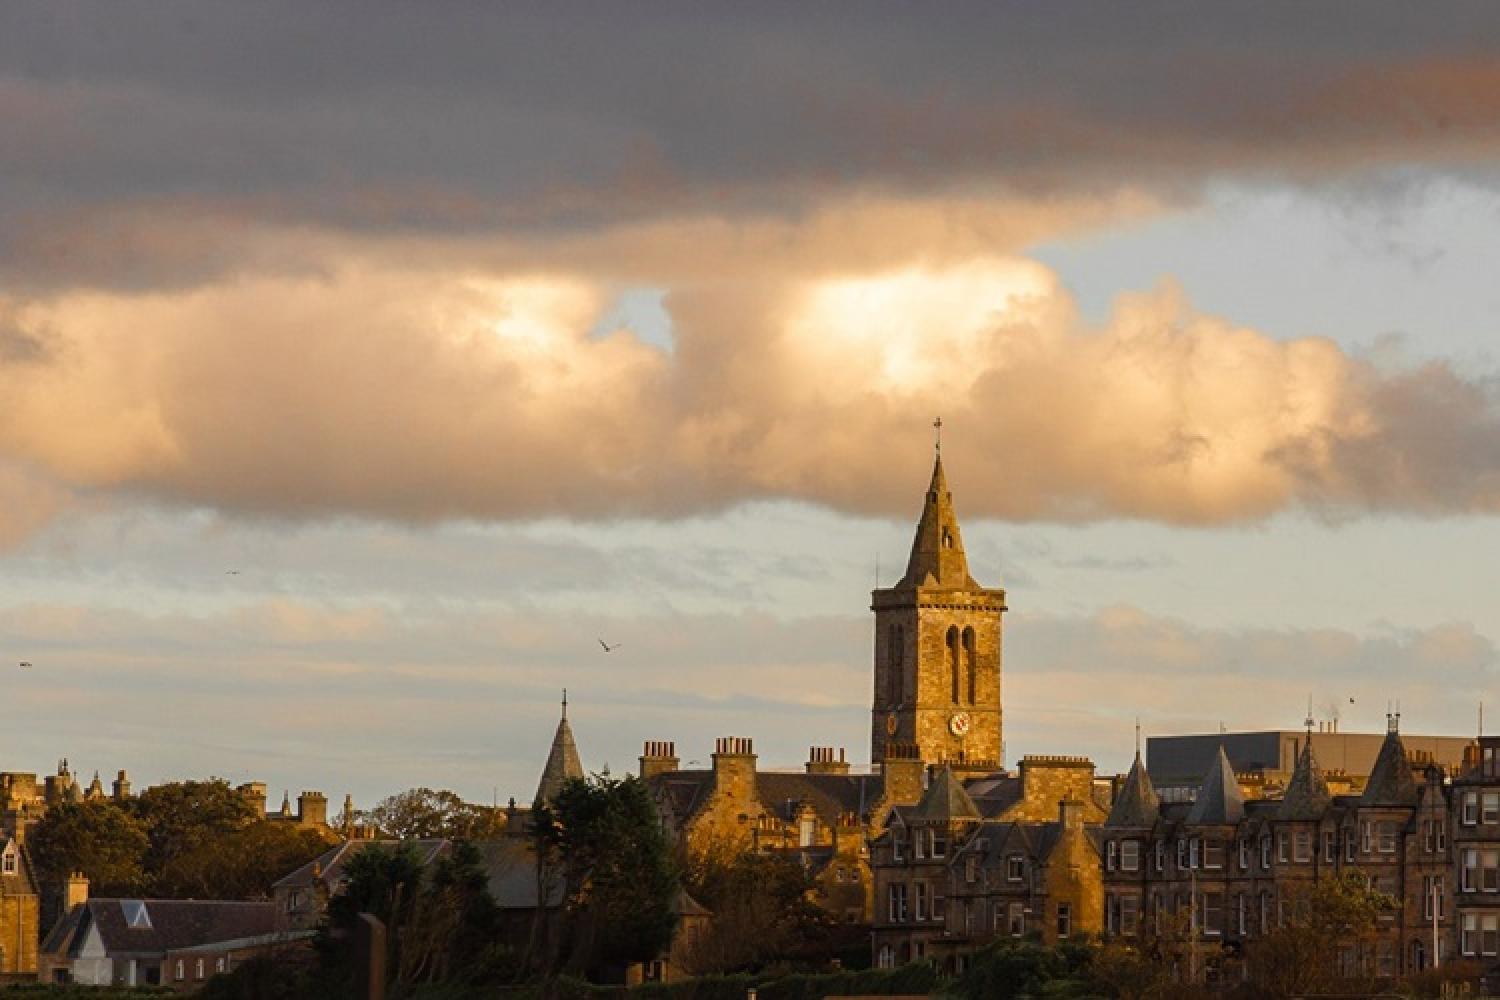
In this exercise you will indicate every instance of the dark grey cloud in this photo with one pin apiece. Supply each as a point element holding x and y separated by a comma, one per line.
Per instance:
<point>475,118</point>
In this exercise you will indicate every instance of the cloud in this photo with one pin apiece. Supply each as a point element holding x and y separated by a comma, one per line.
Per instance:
<point>425,393</point>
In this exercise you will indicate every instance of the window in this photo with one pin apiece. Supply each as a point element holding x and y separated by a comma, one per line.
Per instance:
<point>971,869</point>
<point>1213,854</point>
<point>1349,845</point>
<point>939,843</point>
<point>1302,846</point>
<point>1161,855</point>
<point>1330,846</point>
<point>1479,934</point>
<point>8,863</point>
<point>1265,912</point>
<point>1387,831</point>
<point>898,846</point>
<point>938,911</point>
<point>181,971</point>
<point>1490,808</point>
<point>807,830</point>
<point>971,660</point>
<point>1130,855</point>
<point>919,843</point>
<point>1240,910</point>
<point>1016,920</point>
<point>1471,809</point>
<point>1244,855</point>
<point>896,903</point>
<point>1283,847</point>
<point>1366,836</point>
<point>1182,853</point>
<point>1429,836</point>
<point>887,958</point>
<point>1432,897</point>
<point>954,647</point>
<point>1490,770</point>
<point>1442,831</point>
<point>1015,868</point>
<point>1468,934</point>
<point>219,964</point>
<point>1111,855</point>
<point>1064,919</point>
<point>1130,914</point>
<point>921,908</point>
<point>1213,913</point>
<point>1265,850</point>
<point>199,969</point>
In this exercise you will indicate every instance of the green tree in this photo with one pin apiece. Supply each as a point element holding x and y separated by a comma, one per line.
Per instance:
<point>243,863</point>
<point>1324,940</point>
<point>426,813</point>
<point>185,816</point>
<point>453,924</point>
<point>762,911</point>
<point>97,838</point>
<point>383,882</point>
<point>619,882</point>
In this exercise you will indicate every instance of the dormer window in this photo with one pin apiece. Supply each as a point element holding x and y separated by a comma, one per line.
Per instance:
<point>8,862</point>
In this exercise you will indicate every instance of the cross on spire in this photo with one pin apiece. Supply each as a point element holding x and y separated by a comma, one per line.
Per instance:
<point>565,703</point>
<point>937,425</point>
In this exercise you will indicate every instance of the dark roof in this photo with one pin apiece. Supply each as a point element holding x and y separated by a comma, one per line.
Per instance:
<point>1391,782</point>
<point>23,881</point>
<point>1307,797</point>
<point>156,926</point>
<point>1137,805</point>
<point>1219,802</point>
<point>943,801</point>
<point>994,794</point>
<point>331,863</point>
<point>686,906</point>
<point>510,866</point>
<point>780,792</point>
<point>562,764</point>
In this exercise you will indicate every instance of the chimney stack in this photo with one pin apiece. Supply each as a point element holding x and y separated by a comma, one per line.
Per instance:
<point>734,766</point>
<point>121,786</point>
<point>312,809</point>
<point>658,757</point>
<point>825,760</point>
<point>75,891</point>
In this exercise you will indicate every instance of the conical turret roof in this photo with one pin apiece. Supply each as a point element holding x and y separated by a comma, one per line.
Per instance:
<point>944,800</point>
<point>937,552</point>
<point>1137,805</point>
<point>1391,782</point>
<point>1219,802</point>
<point>1307,797</point>
<point>563,763</point>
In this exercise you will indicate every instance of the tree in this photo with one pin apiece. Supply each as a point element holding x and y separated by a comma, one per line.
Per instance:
<point>383,882</point>
<point>453,924</point>
<point>241,864</point>
<point>185,816</point>
<point>1323,940</point>
<point>619,882</point>
<point>97,838</point>
<point>425,813</point>
<point>761,907</point>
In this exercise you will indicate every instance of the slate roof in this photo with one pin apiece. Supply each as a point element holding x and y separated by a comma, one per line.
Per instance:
<point>170,925</point>
<point>943,801</point>
<point>1219,802</point>
<point>562,761</point>
<point>331,863</point>
<point>1307,797</point>
<point>510,866</point>
<point>1391,782</point>
<point>1137,806</point>
<point>780,792</point>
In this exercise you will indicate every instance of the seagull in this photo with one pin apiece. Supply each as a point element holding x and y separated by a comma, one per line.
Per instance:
<point>607,647</point>
<point>25,663</point>
<point>231,572</point>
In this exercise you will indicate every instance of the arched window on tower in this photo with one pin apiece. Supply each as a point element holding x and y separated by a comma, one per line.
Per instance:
<point>947,538</point>
<point>895,662</point>
<point>954,651</point>
<point>971,660</point>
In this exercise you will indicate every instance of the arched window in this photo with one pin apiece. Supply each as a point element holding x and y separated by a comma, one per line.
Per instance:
<point>954,652</point>
<point>947,538</point>
<point>896,655</point>
<point>971,659</point>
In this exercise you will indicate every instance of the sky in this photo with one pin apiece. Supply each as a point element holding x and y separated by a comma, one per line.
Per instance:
<point>363,366</point>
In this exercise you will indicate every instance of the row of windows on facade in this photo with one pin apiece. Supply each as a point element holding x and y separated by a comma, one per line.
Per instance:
<point>963,663</point>
<point>1479,933</point>
<point>200,968</point>
<point>1009,916</point>
<point>1286,847</point>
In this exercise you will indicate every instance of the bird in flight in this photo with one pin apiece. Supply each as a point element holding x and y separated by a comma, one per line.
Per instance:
<point>231,572</point>
<point>607,647</point>
<point>25,663</point>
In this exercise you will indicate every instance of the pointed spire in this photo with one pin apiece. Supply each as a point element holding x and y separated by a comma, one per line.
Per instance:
<point>1137,806</point>
<point>563,763</point>
<point>1391,782</point>
<point>1307,797</point>
<point>945,800</point>
<point>937,552</point>
<point>1220,801</point>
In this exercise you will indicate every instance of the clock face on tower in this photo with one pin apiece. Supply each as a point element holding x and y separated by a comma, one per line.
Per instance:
<point>958,723</point>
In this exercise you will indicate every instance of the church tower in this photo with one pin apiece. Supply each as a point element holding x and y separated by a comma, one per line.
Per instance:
<point>937,648</point>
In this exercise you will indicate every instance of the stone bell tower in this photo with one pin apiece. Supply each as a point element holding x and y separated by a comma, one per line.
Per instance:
<point>937,648</point>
